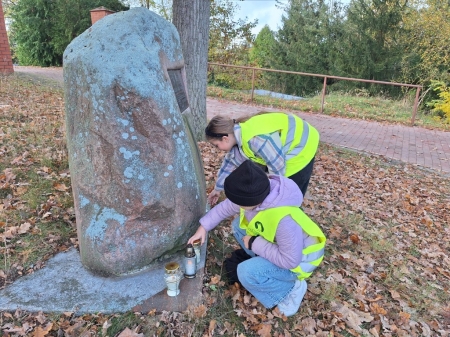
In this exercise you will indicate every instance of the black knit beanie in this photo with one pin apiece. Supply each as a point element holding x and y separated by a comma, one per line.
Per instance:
<point>248,185</point>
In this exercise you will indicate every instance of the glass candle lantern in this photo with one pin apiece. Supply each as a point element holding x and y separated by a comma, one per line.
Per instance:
<point>197,244</point>
<point>173,277</point>
<point>190,262</point>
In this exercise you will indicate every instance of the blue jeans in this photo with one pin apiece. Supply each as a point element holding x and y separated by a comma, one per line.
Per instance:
<point>269,283</point>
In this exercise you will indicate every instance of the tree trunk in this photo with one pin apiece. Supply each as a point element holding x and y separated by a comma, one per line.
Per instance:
<point>191,18</point>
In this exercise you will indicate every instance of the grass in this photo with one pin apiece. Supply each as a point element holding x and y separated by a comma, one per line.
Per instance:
<point>385,268</point>
<point>34,221</point>
<point>345,105</point>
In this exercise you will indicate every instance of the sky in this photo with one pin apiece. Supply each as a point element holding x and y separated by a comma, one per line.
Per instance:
<point>264,10</point>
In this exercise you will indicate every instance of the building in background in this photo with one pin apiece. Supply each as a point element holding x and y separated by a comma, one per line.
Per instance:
<point>6,65</point>
<point>99,13</point>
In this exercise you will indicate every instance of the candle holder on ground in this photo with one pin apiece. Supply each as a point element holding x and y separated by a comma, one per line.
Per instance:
<point>197,244</point>
<point>173,276</point>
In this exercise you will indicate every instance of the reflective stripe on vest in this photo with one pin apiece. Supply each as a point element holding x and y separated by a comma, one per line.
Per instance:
<point>299,139</point>
<point>266,222</point>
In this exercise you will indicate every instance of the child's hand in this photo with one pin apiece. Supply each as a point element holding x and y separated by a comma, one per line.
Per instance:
<point>213,197</point>
<point>246,238</point>
<point>199,234</point>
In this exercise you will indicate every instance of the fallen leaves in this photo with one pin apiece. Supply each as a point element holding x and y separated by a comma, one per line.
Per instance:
<point>129,333</point>
<point>43,331</point>
<point>385,272</point>
<point>354,238</point>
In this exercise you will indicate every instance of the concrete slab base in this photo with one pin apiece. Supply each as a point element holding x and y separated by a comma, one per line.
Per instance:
<point>190,295</point>
<point>64,285</point>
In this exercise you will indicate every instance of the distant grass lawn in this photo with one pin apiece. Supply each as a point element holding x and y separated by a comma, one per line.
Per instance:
<point>343,105</point>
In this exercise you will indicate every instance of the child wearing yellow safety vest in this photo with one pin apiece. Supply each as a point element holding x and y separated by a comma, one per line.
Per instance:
<point>285,144</point>
<point>284,245</point>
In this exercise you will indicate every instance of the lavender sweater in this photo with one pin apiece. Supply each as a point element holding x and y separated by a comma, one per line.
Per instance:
<point>290,239</point>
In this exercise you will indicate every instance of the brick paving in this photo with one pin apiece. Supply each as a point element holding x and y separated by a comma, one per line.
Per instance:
<point>418,146</point>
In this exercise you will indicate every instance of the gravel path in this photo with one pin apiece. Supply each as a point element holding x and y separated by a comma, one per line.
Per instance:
<point>53,73</point>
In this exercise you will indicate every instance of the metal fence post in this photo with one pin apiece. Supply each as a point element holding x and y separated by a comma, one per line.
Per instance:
<point>416,103</point>
<point>323,93</point>
<point>253,82</point>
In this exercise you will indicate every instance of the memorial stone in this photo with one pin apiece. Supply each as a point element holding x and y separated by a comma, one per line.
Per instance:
<point>137,175</point>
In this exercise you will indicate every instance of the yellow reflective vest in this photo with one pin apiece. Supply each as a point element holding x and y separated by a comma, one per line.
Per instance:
<point>299,139</point>
<point>265,224</point>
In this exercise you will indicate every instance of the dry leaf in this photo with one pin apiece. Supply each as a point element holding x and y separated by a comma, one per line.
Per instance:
<point>60,187</point>
<point>8,175</point>
<point>309,325</point>
<point>40,317</point>
<point>46,215</point>
<point>21,190</point>
<point>265,330</point>
<point>42,331</point>
<point>212,326</point>
<point>215,279</point>
<point>354,318</point>
<point>376,309</point>
<point>24,228</point>
<point>395,295</point>
<point>105,327</point>
<point>200,311</point>
<point>354,238</point>
<point>130,333</point>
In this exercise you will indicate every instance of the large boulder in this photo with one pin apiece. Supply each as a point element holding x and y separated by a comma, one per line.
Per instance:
<point>137,176</point>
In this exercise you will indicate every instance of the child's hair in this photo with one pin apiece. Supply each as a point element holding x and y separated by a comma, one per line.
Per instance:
<point>220,126</point>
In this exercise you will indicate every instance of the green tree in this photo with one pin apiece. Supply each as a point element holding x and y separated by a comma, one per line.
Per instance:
<point>31,32</point>
<point>426,58</point>
<point>42,29</point>
<point>427,39</point>
<point>373,39</point>
<point>262,50</point>
<point>229,39</point>
<point>303,43</point>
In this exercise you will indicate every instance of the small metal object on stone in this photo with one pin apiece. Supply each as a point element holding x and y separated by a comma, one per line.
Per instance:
<point>176,78</point>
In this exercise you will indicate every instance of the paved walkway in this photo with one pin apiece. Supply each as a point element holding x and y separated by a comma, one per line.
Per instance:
<point>418,146</point>
<point>415,145</point>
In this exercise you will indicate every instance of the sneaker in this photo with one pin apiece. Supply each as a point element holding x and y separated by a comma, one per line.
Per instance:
<point>290,304</point>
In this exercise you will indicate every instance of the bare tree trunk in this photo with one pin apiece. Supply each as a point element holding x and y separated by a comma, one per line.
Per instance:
<point>191,18</point>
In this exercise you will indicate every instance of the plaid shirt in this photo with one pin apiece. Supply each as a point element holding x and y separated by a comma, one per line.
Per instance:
<point>268,147</point>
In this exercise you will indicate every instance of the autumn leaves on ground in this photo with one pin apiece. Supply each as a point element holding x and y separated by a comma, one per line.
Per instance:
<point>386,270</point>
